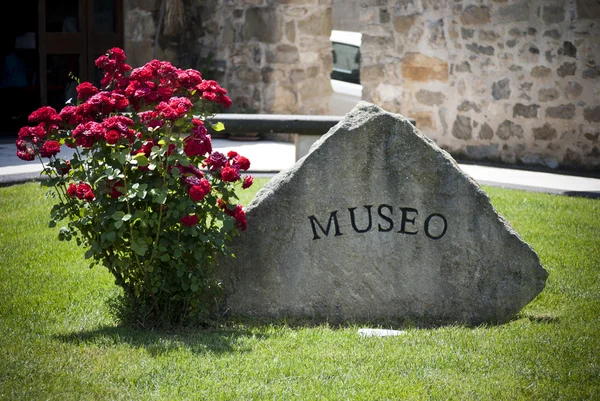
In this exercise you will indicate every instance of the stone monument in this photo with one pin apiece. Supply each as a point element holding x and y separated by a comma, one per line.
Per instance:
<point>378,223</point>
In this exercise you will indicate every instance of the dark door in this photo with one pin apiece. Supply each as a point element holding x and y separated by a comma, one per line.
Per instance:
<point>73,34</point>
<point>44,43</point>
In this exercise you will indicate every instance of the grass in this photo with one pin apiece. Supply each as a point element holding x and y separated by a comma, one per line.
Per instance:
<point>58,340</point>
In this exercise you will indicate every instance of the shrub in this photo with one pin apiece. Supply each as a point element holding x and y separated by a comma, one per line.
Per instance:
<point>144,192</point>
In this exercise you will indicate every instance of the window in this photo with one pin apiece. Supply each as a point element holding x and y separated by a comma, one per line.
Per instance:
<point>346,63</point>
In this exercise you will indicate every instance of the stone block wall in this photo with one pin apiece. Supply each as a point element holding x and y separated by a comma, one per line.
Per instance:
<point>272,56</point>
<point>178,25</point>
<point>512,81</point>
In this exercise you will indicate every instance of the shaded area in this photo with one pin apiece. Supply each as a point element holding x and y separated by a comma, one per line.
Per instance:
<point>159,342</point>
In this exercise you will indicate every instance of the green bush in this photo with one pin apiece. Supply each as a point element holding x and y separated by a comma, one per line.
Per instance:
<point>144,193</point>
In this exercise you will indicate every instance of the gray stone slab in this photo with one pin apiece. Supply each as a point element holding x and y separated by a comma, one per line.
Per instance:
<point>377,223</point>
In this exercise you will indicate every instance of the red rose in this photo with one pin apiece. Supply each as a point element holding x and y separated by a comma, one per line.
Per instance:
<point>65,170</point>
<point>196,147</point>
<point>216,160</point>
<point>81,191</point>
<point>248,180</point>
<point>240,217</point>
<point>114,186</point>
<point>230,174</point>
<point>198,192</point>
<point>237,213</point>
<point>241,162</point>
<point>49,149</point>
<point>72,190</point>
<point>112,137</point>
<point>27,154</point>
<point>86,90</point>
<point>189,220</point>
<point>84,192</point>
<point>21,144</point>
<point>69,115</point>
<point>45,114</point>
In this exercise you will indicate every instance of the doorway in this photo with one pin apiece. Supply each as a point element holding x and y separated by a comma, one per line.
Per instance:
<point>55,42</point>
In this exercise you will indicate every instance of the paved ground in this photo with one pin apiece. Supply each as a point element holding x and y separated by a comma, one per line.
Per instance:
<point>270,157</point>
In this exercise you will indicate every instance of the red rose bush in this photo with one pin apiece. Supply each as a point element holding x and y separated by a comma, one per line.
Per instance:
<point>144,193</point>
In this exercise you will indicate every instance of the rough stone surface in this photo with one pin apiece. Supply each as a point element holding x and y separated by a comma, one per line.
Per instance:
<point>467,105</point>
<point>501,89</point>
<point>547,50</point>
<point>466,33</point>
<point>486,132</point>
<point>553,33</point>
<point>403,23</point>
<point>489,152</point>
<point>553,14</point>
<point>509,129</point>
<point>463,67</point>
<point>566,69</point>
<point>430,98</point>
<point>591,73</point>
<point>259,25</point>
<point>545,133</point>
<point>540,71</point>
<point>480,49</point>
<point>548,94</point>
<point>305,255</point>
<point>564,111</point>
<point>462,128</point>
<point>592,114</point>
<point>568,49</point>
<point>513,13</point>
<point>419,67</point>
<point>475,15</point>
<point>588,9</point>
<point>527,111</point>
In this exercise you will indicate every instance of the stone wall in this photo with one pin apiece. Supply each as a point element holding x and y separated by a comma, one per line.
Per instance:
<point>178,25</point>
<point>273,56</point>
<point>512,81</point>
<point>346,15</point>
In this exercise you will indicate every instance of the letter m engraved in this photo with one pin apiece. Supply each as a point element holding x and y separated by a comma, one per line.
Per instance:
<point>314,223</point>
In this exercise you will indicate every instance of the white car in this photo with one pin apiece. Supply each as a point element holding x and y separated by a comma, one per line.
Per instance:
<point>345,77</point>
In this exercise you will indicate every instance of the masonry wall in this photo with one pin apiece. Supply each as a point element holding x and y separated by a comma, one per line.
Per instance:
<point>513,81</point>
<point>273,56</point>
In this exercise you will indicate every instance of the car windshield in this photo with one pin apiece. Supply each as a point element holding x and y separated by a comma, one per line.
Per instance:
<point>346,63</point>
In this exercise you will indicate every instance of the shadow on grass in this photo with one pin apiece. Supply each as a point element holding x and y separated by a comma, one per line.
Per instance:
<point>160,342</point>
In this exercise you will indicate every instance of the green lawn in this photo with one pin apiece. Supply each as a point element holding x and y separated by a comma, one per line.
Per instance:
<point>58,340</point>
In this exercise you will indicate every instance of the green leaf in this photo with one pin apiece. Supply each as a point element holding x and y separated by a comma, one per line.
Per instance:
<point>110,236</point>
<point>139,247</point>
<point>218,126</point>
<point>165,257</point>
<point>118,215</point>
<point>118,224</point>
<point>89,253</point>
<point>126,217</point>
<point>160,197</point>
<point>194,287</point>
<point>141,159</point>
